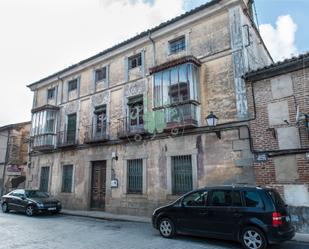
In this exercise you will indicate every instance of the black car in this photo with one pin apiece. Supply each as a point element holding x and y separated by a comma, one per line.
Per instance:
<point>30,202</point>
<point>254,216</point>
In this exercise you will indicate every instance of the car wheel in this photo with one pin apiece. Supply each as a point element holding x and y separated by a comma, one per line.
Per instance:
<point>29,210</point>
<point>5,208</point>
<point>167,228</point>
<point>253,238</point>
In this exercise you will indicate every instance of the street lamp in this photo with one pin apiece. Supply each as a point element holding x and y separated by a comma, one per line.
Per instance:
<point>212,122</point>
<point>211,119</point>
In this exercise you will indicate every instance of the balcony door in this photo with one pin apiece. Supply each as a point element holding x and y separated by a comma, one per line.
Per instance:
<point>71,129</point>
<point>136,113</point>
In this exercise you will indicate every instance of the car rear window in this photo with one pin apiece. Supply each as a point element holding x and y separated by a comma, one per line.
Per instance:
<point>253,199</point>
<point>275,196</point>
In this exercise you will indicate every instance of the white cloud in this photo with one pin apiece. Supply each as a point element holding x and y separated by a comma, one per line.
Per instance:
<point>39,38</point>
<point>280,40</point>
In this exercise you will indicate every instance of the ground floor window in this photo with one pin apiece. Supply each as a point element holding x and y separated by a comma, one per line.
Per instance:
<point>67,178</point>
<point>182,180</point>
<point>44,179</point>
<point>135,176</point>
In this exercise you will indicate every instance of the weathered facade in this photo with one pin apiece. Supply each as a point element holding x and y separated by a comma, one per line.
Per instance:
<point>125,130</point>
<point>280,135</point>
<point>14,143</point>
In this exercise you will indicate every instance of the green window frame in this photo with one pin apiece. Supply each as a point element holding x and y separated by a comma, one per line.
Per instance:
<point>182,179</point>
<point>67,178</point>
<point>135,176</point>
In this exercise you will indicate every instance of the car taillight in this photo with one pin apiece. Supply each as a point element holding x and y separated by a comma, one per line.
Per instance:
<point>277,219</point>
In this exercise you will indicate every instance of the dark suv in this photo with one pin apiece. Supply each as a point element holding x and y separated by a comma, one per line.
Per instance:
<point>253,216</point>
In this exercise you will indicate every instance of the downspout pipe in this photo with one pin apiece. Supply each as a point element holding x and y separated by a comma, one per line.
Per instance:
<point>154,51</point>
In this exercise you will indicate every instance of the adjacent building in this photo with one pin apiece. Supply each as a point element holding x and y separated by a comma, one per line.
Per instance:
<point>125,130</point>
<point>279,129</point>
<point>14,142</point>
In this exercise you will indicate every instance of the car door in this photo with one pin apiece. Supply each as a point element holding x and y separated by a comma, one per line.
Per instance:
<point>193,215</point>
<point>222,215</point>
<point>18,200</point>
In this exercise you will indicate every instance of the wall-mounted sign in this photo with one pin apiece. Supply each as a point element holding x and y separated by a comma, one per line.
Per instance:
<point>114,183</point>
<point>15,170</point>
<point>261,157</point>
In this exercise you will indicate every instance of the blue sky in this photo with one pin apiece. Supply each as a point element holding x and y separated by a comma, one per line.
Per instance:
<point>269,10</point>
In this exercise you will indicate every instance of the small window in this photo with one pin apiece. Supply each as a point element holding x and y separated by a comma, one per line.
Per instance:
<point>182,181</point>
<point>135,61</point>
<point>72,85</point>
<point>221,198</point>
<point>51,93</point>
<point>135,176</point>
<point>197,199</point>
<point>177,45</point>
<point>67,177</point>
<point>100,74</point>
<point>253,199</point>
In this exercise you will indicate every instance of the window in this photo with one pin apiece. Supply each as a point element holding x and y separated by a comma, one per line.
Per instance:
<point>136,111</point>
<point>176,85</point>
<point>44,179</point>
<point>72,85</point>
<point>135,176</point>
<point>71,129</point>
<point>253,199</point>
<point>237,199</point>
<point>51,93</point>
<point>197,199</point>
<point>43,128</point>
<point>100,119</point>
<point>100,74</point>
<point>177,45</point>
<point>18,193</point>
<point>221,198</point>
<point>67,177</point>
<point>135,61</point>
<point>182,181</point>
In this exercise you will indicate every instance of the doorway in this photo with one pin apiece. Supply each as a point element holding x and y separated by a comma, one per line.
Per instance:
<point>98,185</point>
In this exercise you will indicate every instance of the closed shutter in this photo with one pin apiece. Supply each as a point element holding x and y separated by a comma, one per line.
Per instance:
<point>44,179</point>
<point>71,129</point>
<point>67,177</point>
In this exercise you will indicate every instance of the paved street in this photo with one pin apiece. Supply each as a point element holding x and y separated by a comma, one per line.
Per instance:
<point>56,232</point>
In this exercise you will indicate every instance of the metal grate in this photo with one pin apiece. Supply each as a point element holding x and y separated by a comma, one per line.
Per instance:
<point>181,174</point>
<point>44,179</point>
<point>135,176</point>
<point>67,177</point>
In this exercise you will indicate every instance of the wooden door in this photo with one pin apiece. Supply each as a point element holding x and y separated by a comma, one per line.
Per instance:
<point>98,185</point>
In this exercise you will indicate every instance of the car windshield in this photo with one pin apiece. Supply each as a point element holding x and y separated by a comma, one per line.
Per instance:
<point>36,194</point>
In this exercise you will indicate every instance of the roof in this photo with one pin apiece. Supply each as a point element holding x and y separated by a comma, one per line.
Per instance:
<point>137,37</point>
<point>279,68</point>
<point>12,126</point>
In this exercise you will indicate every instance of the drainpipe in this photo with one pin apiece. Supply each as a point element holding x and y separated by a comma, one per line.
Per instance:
<point>154,56</point>
<point>61,96</point>
<point>6,160</point>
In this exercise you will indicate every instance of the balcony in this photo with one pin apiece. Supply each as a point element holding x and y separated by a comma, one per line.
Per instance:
<point>95,134</point>
<point>181,116</point>
<point>67,138</point>
<point>128,127</point>
<point>43,142</point>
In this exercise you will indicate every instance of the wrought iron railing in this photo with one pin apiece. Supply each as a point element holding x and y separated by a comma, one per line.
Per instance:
<point>181,115</point>
<point>130,126</point>
<point>67,138</point>
<point>42,142</point>
<point>96,133</point>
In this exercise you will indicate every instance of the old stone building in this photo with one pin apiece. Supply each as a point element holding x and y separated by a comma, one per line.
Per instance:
<point>125,130</point>
<point>280,100</point>
<point>14,143</point>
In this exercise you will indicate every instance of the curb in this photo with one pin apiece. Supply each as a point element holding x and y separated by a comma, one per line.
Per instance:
<point>126,219</point>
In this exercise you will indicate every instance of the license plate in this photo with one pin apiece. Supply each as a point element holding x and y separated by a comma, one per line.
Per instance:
<point>50,209</point>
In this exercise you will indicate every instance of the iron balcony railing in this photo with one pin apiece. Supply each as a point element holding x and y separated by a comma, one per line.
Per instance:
<point>131,126</point>
<point>96,133</point>
<point>67,138</point>
<point>184,115</point>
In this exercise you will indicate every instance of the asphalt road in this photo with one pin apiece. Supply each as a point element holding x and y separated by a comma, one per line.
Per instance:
<point>68,232</point>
